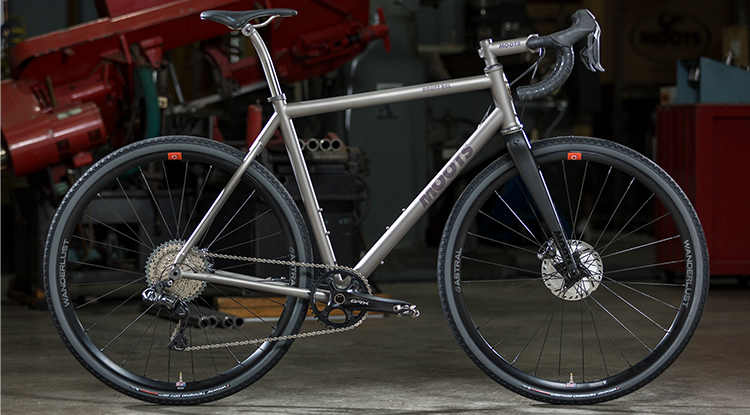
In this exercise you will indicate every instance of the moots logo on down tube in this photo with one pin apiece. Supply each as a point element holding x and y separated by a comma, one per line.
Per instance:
<point>446,175</point>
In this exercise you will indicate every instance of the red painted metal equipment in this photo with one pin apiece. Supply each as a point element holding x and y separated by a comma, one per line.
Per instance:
<point>86,73</point>
<point>704,148</point>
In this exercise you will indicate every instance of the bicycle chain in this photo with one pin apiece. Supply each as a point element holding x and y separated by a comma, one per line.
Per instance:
<point>291,336</point>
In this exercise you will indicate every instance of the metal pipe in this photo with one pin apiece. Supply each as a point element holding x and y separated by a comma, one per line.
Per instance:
<point>312,145</point>
<point>337,144</point>
<point>255,283</point>
<point>431,192</point>
<point>387,96</point>
<point>224,320</point>
<point>325,144</point>
<point>210,215</point>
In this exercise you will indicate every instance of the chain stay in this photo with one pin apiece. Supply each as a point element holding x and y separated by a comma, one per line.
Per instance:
<point>291,336</point>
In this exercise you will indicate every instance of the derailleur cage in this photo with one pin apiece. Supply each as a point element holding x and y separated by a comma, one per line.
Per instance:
<point>177,309</point>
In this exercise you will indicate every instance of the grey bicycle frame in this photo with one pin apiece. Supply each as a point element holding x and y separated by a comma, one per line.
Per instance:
<point>502,117</point>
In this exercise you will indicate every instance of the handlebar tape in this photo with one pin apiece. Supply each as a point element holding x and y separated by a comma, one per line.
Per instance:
<point>559,75</point>
<point>562,43</point>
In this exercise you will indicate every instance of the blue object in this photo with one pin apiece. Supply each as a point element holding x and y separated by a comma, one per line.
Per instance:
<point>716,83</point>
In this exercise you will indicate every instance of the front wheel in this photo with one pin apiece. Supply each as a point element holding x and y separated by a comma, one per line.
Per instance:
<point>628,223</point>
<point>116,233</point>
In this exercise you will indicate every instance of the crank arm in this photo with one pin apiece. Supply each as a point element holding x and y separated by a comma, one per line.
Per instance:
<point>364,302</point>
<point>255,283</point>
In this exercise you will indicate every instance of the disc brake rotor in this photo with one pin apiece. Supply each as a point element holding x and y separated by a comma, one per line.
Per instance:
<point>159,264</point>
<point>593,272</point>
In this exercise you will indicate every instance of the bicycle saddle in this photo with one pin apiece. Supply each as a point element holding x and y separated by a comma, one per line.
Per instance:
<point>238,20</point>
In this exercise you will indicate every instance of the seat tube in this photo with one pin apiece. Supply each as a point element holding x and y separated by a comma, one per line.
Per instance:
<point>278,100</point>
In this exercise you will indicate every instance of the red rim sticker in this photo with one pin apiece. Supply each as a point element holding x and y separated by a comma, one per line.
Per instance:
<point>174,156</point>
<point>574,156</point>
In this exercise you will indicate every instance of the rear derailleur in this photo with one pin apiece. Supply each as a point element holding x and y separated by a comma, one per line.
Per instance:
<point>177,309</point>
<point>350,295</point>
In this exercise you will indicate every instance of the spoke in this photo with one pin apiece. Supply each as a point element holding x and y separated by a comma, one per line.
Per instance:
<point>641,246</point>
<point>523,349</point>
<point>559,354</point>
<point>221,341</point>
<point>643,293</point>
<point>108,293</point>
<point>510,229</point>
<point>156,202</point>
<point>135,212</point>
<point>598,340</point>
<point>612,216</point>
<point>197,200</point>
<point>633,216</point>
<point>596,203</point>
<point>108,314</point>
<point>182,197</point>
<point>619,322</point>
<point>546,336</point>
<point>501,242</point>
<point>526,271</point>
<point>567,196</point>
<point>605,331</point>
<point>507,307</point>
<point>583,343</point>
<point>171,200</point>
<point>107,245</point>
<point>646,266</point>
<point>635,308</point>
<point>243,225</point>
<point>580,196</point>
<point>531,206</point>
<point>123,330</point>
<point>132,349</point>
<point>140,274</point>
<point>501,293</point>
<point>153,340</point>
<point>139,240</point>
<point>249,242</point>
<point>231,219</point>
<point>636,230</point>
<point>261,294</point>
<point>518,218</point>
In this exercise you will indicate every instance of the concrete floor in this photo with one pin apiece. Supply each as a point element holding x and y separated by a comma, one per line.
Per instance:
<point>393,366</point>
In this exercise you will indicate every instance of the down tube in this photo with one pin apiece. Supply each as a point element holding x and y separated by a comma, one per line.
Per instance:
<point>432,191</point>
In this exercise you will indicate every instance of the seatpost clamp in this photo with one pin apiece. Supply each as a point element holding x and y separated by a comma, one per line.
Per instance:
<point>281,97</point>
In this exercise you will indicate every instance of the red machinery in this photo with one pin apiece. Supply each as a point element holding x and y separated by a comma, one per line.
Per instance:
<point>73,90</point>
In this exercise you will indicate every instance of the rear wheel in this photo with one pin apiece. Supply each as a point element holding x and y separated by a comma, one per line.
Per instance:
<point>616,329</point>
<point>115,234</point>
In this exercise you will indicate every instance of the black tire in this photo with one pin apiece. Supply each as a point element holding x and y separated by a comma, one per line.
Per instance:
<point>102,248</point>
<point>617,329</point>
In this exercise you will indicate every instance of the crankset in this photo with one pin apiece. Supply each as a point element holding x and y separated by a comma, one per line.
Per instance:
<point>350,295</point>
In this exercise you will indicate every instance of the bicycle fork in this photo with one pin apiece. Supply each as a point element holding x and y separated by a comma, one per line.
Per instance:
<point>519,148</point>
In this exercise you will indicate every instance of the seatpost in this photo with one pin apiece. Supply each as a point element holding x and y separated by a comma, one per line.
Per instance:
<point>265,62</point>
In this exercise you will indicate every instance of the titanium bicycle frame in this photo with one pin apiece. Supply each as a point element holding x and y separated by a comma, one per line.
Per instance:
<point>503,117</point>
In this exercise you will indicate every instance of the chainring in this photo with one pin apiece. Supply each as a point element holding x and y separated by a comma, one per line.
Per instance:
<point>337,283</point>
<point>159,264</point>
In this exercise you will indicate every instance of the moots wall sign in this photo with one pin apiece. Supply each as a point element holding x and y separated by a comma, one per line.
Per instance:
<point>667,36</point>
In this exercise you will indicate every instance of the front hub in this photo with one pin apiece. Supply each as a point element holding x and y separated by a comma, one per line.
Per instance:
<point>591,272</point>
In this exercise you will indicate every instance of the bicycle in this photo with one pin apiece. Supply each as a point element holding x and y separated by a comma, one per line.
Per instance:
<point>521,270</point>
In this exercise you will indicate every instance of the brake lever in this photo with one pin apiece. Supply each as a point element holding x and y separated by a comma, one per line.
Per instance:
<point>590,54</point>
